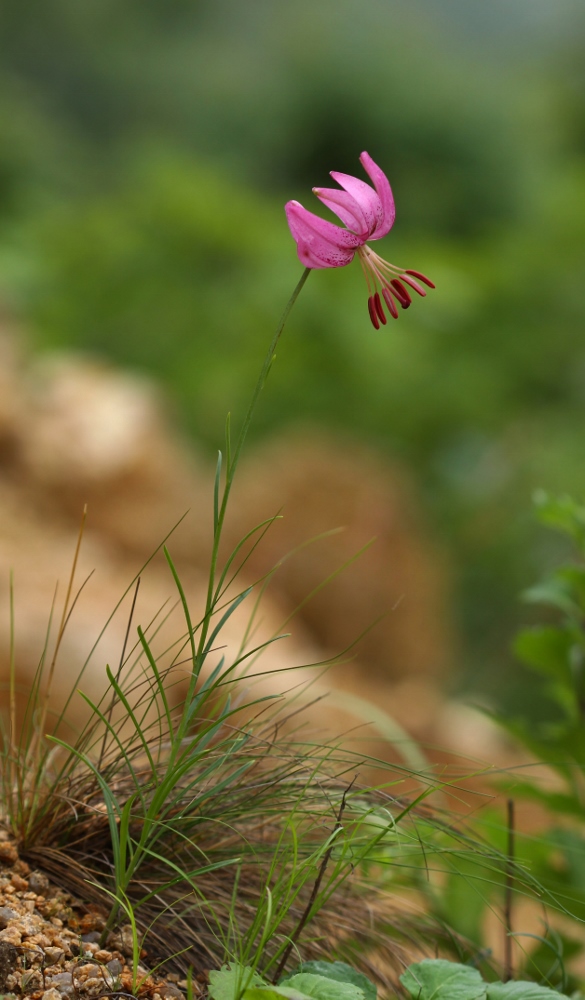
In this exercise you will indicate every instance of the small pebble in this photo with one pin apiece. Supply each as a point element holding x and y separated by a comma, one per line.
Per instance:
<point>92,987</point>
<point>63,982</point>
<point>91,938</point>
<point>8,853</point>
<point>11,935</point>
<point>38,882</point>
<point>20,884</point>
<point>51,994</point>
<point>83,972</point>
<point>6,914</point>
<point>41,940</point>
<point>54,955</point>
<point>103,956</point>
<point>171,992</point>
<point>63,979</point>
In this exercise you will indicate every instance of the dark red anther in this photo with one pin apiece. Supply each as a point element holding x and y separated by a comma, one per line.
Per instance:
<point>421,277</point>
<point>390,302</point>
<point>414,284</point>
<point>379,309</point>
<point>373,313</point>
<point>401,293</point>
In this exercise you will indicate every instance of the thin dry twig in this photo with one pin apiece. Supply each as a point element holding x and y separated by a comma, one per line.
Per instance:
<point>12,687</point>
<point>508,931</point>
<point>307,911</point>
<point>62,626</point>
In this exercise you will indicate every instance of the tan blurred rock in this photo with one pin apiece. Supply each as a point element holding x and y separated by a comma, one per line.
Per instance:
<point>394,594</point>
<point>97,436</point>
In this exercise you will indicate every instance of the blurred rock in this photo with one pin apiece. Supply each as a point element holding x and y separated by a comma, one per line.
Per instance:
<point>393,571</point>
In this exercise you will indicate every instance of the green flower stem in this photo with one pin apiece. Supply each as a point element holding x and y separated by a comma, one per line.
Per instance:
<point>230,473</point>
<point>268,360</point>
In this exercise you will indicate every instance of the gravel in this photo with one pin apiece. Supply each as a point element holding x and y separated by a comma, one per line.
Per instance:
<point>50,948</point>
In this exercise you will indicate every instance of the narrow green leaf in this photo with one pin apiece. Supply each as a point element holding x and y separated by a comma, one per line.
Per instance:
<point>228,440</point>
<point>216,486</point>
<point>233,607</point>
<point>130,711</point>
<point>159,682</point>
<point>186,613</point>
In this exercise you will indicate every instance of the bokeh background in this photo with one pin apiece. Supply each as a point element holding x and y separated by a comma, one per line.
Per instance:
<point>146,151</point>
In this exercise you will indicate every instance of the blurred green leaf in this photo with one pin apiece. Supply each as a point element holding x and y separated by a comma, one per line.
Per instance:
<point>437,979</point>
<point>229,982</point>
<point>340,972</point>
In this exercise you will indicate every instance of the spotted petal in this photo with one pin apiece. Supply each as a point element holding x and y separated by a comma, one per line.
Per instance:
<point>384,192</point>
<point>320,243</point>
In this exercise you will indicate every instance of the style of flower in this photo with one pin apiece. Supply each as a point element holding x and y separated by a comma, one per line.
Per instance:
<point>369,214</point>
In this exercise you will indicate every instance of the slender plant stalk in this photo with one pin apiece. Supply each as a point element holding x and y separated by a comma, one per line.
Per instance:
<point>12,690</point>
<point>314,892</point>
<point>61,632</point>
<point>508,941</point>
<point>231,467</point>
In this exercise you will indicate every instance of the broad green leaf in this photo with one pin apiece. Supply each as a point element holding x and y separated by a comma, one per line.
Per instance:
<point>229,982</point>
<point>572,846</point>
<point>520,991</point>
<point>556,592</point>
<point>437,979</point>
<point>547,649</point>
<point>274,993</point>
<point>562,513</point>
<point>324,987</point>
<point>341,972</point>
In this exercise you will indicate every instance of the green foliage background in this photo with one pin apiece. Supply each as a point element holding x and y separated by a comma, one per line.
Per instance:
<point>146,150</point>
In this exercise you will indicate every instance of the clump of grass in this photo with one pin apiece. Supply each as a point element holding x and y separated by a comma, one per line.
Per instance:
<point>220,825</point>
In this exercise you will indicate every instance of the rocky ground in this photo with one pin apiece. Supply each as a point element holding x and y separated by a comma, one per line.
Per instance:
<point>50,944</point>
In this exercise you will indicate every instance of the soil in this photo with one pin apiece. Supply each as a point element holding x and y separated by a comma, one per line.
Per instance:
<point>50,947</point>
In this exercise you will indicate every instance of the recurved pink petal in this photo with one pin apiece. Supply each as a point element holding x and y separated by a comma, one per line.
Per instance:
<point>320,243</point>
<point>346,208</point>
<point>384,192</point>
<point>364,196</point>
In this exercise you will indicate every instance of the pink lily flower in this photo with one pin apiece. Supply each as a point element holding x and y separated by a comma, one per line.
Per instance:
<point>368,213</point>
